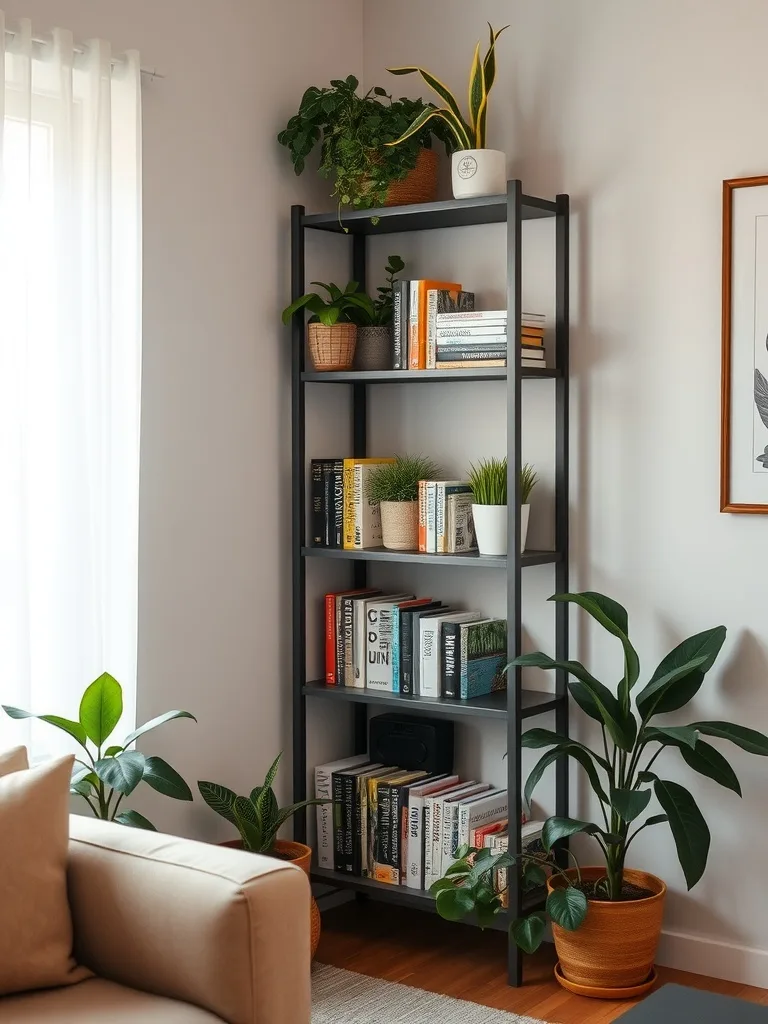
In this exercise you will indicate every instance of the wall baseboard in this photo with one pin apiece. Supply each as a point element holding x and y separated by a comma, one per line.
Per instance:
<point>742,964</point>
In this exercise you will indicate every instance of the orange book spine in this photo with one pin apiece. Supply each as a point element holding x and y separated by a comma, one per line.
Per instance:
<point>423,288</point>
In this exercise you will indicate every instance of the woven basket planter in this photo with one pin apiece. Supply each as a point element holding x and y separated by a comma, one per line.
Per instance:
<point>615,947</point>
<point>332,348</point>
<point>419,185</point>
<point>374,348</point>
<point>400,525</point>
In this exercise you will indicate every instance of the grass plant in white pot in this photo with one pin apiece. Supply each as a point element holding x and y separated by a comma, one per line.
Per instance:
<point>488,481</point>
<point>395,487</point>
<point>476,170</point>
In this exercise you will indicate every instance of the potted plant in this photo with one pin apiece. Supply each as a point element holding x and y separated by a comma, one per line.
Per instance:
<point>105,775</point>
<point>476,171</point>
<point>258,819</point>
<point>332,332</point>
<point>395,486</point>
<point>374,331</point>
<point>606,920</point>
<point>353,131</point>
<point>488,481</point>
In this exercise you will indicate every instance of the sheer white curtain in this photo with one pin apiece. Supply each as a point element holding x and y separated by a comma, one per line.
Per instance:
<point>70,366</point>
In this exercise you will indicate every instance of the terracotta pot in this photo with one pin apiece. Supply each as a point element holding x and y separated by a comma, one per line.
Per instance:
<point>374,348</point>
<point>301,856</point>
<point>400,525</point>
<point>419,185</point>
<point>332,348</point>
<point>616,946</point>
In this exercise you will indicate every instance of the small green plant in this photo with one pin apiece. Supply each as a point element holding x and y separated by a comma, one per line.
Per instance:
<point>488,480</point>
<point>257,818</point>
<point>620,775</point>
<point>467,134</point>
<point>382,306</point>
<point>110,773</point>
<point>353,132</point>
<point>399,480</point>
<point>340,306</point>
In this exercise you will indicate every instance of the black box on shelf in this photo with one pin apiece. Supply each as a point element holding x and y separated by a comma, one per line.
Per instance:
<point>412,742</point>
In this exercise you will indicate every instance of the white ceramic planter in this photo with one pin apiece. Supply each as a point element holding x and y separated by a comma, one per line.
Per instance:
<point>478,172</point>
<point>491,528</point>
<point>400,525</point>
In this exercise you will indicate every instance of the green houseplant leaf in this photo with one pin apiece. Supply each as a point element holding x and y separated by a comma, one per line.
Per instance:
<point>219,799</point>
<point>154,723</point>
<point>689,829</point>
<point>748,739</point>
<point>166,780</point>
<point>661,698</point>
<point>123,772</point>
<point>528,932</point>
<point>101,708</point>
<point>135,820</point>
<point>567,907</point>
<point>74,729</point>
<point>708,761</point>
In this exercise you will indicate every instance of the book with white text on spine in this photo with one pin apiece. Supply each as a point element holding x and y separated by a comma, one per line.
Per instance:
<point>414,873</point>
<point>323,791</point>
<point>439,302</point>
<point>431,649</point>
<point>379,667</point>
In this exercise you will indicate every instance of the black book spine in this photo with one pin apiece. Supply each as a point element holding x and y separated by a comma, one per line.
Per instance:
<point>357,830</point>
<point>400,325</point>
<point>384,831</point>
<point>406,652</point>
<point>396,794</point>
<point>327,503</point>
<point>337,793</point>
<point>316,503</point>
<point>450,659</point>
<point>337,517</point>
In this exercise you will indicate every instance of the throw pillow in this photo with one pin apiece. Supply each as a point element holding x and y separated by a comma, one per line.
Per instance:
<point>35,922</point>
<point>13,760</point>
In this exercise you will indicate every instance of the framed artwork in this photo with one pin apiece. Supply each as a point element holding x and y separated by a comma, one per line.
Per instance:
<point>744,425</point>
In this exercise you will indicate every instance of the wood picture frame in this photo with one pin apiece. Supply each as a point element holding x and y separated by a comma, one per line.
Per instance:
<point>744,385</point>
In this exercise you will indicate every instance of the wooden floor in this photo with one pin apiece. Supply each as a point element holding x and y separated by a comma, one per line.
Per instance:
<point>419,949</point>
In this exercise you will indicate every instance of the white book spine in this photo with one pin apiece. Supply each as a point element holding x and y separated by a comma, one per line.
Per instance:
<point>359,610</point>
<point>430,657</point>
<point>323,791</point>
<point>481,812</point>
<point>435,839</point>
<point>431,328</point>
<point>450,820</point>
<point>414,877</point>
<point>471,314</point>
<point>431,514</point>
<point>439,517</point>
<point>429,807</point>
<point>487,333</point>
<point>379,647</point>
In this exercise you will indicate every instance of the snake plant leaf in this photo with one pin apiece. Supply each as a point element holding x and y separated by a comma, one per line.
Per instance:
<point>219,799</point>
<point>490,57</point>
<point>154,723</point>
<point>567,907</point>
<point>134,820</point>
<point>101,708</point>
<point>442,91</point>
<point>476,90</point>
<point>630,803</point>
<point>708,761</point>
<point>670,688</point>
<point>528,932</point>
<point>689,829</point>
<point>74,729</point>
<point>751,740</point>
<point>166,780</point>
<point>456,125</point>
<point>123,772</point>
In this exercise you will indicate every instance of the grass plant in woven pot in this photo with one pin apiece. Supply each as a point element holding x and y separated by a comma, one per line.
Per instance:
<point>374,328</point>
<point>258,819</point>
<point>606,919</point>
<point>395,487</point>
<point>331,330</point>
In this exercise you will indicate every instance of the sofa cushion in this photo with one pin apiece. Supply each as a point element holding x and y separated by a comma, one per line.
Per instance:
<point>36,932</point>
<point>13,760</point>
<point>97,1002</point>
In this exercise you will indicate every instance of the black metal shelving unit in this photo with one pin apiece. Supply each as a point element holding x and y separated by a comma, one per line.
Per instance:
<point>516,704</point>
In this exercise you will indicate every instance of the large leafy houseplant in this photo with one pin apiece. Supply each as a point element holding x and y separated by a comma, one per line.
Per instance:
<point>620,773</point>
<point>258,817</point>
<point>105,774</point>
<point>353,132</point>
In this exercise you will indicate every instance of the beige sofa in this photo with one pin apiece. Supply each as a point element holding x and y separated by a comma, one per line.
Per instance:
<point>177,932</point>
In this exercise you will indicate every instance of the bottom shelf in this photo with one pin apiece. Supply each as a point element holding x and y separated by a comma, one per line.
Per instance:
<point>419,899</point>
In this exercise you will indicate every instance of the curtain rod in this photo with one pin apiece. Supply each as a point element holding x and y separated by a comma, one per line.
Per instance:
<point>146,72</point>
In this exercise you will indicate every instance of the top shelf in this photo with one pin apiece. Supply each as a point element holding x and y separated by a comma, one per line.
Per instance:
<point>452,213</point>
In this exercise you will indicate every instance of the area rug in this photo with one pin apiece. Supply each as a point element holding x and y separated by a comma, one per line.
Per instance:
<point>341,997</point>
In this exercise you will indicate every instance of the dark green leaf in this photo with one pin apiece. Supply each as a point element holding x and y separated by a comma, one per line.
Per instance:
<point>166,780</point>
<point>647,776</point>
<point>672,735</point>
<point>551,756</point>
<point>113,751</point>
<point>487,909</point>
<point>660,695</point>
<point>378,91</point>
<point>630,803</point>
<point>169,716</point>
<point>440,884</point>
<point>556,829</point>
<point>245,818</point>
<point>689,829</point>
<point>101,708</point>
<point>219,799</point>
<point>567,907</point>
<point>705,760</point>
<point>463,851</point>
<point>135,820</point>
<point>123,772</point>
<point>748,739</point>
<point>533,875</point>
<point>84,781</point>
<point>528,932</point>
<point>536,738</point>
<point>705,646</point>
<point>75,730</point>
<point>454,904</point>
<point>585,700</point>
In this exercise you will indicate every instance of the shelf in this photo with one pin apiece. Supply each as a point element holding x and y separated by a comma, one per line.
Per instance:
<point>417,898</point>
<point>533,702</point>
<point>471,560</point>
<point>452,213</point>
<point>424,376</point>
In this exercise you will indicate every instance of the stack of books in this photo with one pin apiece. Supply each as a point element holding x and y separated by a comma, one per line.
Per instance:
<point>402,827</point>
<point>398,643</point>
<point>446,525</point>
<point>479,338</point>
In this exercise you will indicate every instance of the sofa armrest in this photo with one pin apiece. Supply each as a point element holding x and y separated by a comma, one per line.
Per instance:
<point>222,929</point>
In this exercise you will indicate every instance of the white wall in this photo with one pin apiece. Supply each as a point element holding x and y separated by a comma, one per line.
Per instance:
<point>638,110</point>
<point>214,546</point>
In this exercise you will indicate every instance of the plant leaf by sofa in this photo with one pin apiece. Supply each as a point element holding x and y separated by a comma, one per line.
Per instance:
<point>73,729</point>
<point>101,708</point>
<point>134,820</point>
<point>166,780</point>
<point>155,723</point>
<point>219,799</point>
<point>123,772</point>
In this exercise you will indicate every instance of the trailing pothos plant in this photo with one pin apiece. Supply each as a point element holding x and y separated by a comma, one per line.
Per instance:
<point>620,773</point>
<point>104,774</point>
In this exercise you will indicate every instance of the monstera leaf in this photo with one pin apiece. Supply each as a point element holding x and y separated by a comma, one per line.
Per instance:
<point>761,396</point>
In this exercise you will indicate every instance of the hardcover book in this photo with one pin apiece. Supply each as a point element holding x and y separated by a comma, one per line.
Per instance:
<point>479,811</point>
<point>441,301</point>
<point>343,817</point>
<point>443,489</point>
<point>379,669</point>
<point>334,640</point>
<point>317,497</point>
<point>398,614</point>
<point>408,620</point>
<point>346,673</point>
<point>459,524</point>
<point>362,518</point>
<point>387,867</point>
<point>360,634</point>
<point>431,648</point>
<point>414,873</point>
<point>417,332</point>
<point>324,791</point>
<point>483,658</point>
<point>372,783</point>
<point>400,320</point>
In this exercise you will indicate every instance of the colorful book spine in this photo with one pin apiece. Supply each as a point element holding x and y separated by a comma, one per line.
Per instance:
<point>483,658</point>
<point>317,523</point>
<point>444,489</point>
<point>324,791</point>
<point>348,504</point>
<point>400,320</point>
<point>439,302</point>
<point>422,515</point>
<point>417,338</point>
<point>330,639</point>
<point>431,497</point>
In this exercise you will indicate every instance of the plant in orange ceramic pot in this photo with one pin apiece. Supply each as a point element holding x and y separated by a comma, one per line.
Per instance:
<point>258,818</point>
<point>606,920</point>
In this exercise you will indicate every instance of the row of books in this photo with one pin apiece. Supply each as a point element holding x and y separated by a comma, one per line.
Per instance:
<point>404,827</point>
<point>435,326</point>
<point>398,643</point>
<point>446,524</point>
<point>480,339</point>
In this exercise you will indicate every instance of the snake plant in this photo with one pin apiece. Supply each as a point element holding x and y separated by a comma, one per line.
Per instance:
<point>469,134</point>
